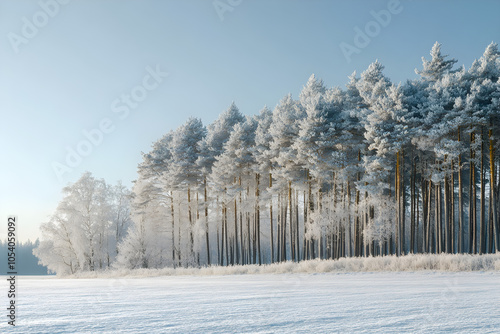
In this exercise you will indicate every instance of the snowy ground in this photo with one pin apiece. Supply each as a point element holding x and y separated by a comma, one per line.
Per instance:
<point>411,263</point>
<point>421,302</point>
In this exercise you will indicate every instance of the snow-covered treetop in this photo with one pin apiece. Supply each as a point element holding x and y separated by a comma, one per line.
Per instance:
<point>262,140</point>
<point>156,161</point>
<point>435,68</point>
<point>185,152</point>
<point>311,90</point>
<point>217,134</point>
<point>488,66</point>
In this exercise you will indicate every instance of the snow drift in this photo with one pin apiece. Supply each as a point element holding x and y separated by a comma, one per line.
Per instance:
<point>419,262</point>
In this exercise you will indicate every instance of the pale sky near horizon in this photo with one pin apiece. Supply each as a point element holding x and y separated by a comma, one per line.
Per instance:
<point>69,73</point>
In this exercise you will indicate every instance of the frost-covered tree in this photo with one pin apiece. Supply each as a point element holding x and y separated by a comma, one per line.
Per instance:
<point>121,201</point>
<point>234,178</point>
<point>287,169</point>
<point>88,223</point>
<point>435,68</point>
<point>210,147</point>
<point>217,134</point>
<point>263,168</point>
<point>57,250</point>
<point>144,245</point>
<point>382,116</point>
<point>184,172</point>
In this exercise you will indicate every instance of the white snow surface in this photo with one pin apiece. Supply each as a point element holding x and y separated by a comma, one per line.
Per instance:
<point>362,302</point>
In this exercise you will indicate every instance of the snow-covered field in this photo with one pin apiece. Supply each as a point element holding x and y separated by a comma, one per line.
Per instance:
<point>384,302</point>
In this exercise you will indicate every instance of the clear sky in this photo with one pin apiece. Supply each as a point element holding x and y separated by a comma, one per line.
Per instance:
<point>65,68</point>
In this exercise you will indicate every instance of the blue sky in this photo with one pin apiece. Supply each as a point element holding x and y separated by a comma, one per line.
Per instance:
<point>65,76</point>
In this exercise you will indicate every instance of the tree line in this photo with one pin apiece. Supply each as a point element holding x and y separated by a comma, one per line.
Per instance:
<point>372,169</point>
<point>25,263</point>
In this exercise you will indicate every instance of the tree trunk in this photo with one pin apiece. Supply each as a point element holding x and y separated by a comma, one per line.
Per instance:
<point>222,234</point>
<point>278,236</point>
<point>179,231</point>
<point>482,209</point>
<point>347,237</point>
<point>191,240</point>
<point>173,227</point>
<point>493,202</point>
<point>472,198</point>
<point>460,242</point>
<point>249,237</point>
<point>257,194</point>
<point>236,248</point>
<point>305,244</point>
<point>225,234</point>
<point>425,209</point>
<point>398,205</point>
<point>403,203</point>
<point>292,239</point>
<point>243,257</point>
<point>206,221</point>
<point>446,214</point>
<point>297,237</point>
<point>283,230</point>
<point>452,208</point>
<point>439,231</point>
<point>412,206</point>
<point>271,217</point>
<point>430,244</point>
